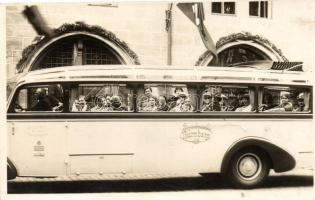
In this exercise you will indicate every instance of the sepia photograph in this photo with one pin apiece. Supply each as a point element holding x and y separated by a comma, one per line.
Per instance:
<point>159,99</point>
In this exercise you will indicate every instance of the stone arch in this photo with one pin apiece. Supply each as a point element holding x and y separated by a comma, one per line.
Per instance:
<point>108,40</point>
<point>257,48</point>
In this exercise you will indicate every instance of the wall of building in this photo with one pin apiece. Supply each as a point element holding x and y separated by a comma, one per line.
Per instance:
<point>142,25</point>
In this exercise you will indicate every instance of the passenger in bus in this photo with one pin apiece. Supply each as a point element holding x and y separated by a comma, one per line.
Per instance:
<point>98,107</point>
<point>187,106</point>
<point>144,100</point>
<point>232,102</point>
<point>116,104</point>
<point>173,100</point>
<point>300,106</point>
<point>90,102</point>
<point>151,106</point>
<point>245,105</point>
<point>180,103</point>
<point>267,102</point>
<point>285,105</point>
<point>101,105</point>
<point>79,105</point>
<point>45,102</point>
<point>210,102</point>
<point>162,104</point>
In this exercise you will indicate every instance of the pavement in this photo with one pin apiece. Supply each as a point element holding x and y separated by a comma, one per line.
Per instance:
<point>213,186</point>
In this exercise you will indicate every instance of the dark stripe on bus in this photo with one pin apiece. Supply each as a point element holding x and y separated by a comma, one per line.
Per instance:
<point>131,115</point>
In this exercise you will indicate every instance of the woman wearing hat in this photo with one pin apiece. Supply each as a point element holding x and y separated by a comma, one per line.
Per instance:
<point>182,96</point>
<point>175,97</point>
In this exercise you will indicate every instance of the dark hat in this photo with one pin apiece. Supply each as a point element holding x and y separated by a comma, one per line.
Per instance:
<point>243,96</point>
<point>115,99</point>
<point>182,94</point>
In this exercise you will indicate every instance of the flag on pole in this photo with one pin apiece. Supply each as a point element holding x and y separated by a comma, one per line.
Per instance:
<point>195,12</point>
<point>37,21</point>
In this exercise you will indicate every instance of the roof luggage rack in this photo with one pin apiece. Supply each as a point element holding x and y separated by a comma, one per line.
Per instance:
<point>273,65</point>
<point>287,66</point>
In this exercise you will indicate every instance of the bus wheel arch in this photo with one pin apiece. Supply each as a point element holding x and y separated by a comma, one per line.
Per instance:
<point>276,157</point>
<point>11,170</point>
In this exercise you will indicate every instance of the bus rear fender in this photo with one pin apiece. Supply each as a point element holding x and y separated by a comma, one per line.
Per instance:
<point>11,170</point>
<point>280,159</point>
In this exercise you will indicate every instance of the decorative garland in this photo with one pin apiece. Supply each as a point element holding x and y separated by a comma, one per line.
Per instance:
<point>245,36</point>
<point>69,28</point>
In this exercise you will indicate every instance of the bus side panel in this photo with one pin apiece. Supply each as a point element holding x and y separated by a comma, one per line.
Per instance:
<point>171,146</point>
<point>90,146</point>
<point>38,148</point>
<point>150,146</point>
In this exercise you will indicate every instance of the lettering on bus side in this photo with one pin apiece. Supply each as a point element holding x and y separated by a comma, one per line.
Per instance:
<point>195,133</point>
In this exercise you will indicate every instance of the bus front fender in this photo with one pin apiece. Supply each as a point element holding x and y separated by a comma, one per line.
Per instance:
<point>11,170</point>
<point>280,159</point>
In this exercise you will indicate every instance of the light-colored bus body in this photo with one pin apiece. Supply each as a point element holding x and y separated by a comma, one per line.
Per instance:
<point>144,143</point>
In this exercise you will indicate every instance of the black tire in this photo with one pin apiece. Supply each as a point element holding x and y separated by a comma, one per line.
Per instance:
<point>248,168</point>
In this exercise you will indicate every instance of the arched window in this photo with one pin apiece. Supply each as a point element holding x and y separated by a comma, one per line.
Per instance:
<point>238,54</point>
<point>241,47</point>
<point>76,50</point>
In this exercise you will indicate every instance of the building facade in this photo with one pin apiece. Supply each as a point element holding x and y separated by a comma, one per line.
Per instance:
<point>140,33</point>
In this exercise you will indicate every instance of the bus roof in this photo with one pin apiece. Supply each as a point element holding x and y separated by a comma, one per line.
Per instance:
<point>140,73</point>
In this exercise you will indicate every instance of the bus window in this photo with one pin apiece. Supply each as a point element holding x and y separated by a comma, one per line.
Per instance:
<point>166,98</point>
<point>284,99</point>
<point>227,98</point>
<point>47,98</point>
<point>100,98</point>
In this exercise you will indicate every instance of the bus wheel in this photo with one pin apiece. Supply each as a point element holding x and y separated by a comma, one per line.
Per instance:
<point>248,168</point>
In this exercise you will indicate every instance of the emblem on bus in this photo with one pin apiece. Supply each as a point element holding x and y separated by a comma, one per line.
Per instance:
<point>39,149</point>
<point>195,133</point>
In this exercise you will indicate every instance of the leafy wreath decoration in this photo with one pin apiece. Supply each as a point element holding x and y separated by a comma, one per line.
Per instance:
<point>68,28</point>
<point>245,36</point>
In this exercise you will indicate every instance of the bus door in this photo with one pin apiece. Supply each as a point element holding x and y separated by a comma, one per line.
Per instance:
<point>36,137</point>
<point>97,143</point>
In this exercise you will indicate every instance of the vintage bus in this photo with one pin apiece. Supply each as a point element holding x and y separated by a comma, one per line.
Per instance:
<point>134,120</point>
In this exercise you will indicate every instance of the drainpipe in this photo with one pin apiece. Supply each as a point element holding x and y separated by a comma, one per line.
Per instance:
<point>168,29</point>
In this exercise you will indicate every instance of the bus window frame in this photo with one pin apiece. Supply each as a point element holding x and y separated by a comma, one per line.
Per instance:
<point>66,85</point>
<point>77,84</point>
<point>188,85</point>
<point>307,87</point>
<point>248,86</point>
<point>11,108</point>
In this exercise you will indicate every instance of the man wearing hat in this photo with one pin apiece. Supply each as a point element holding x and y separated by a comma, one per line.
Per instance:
<point>300,103</point>
<point>211,102</point>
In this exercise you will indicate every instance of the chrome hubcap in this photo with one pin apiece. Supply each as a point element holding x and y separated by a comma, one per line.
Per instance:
<point>248,166</point>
